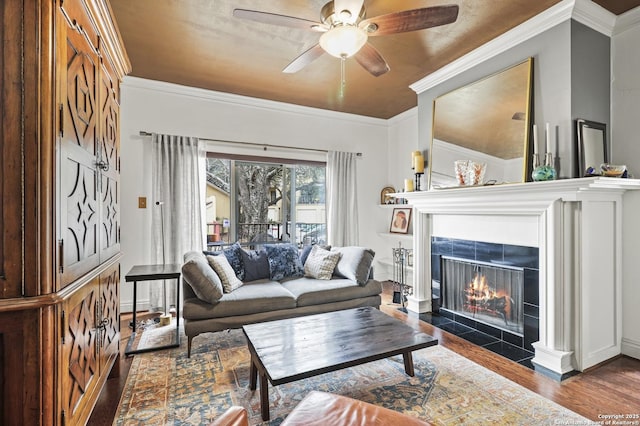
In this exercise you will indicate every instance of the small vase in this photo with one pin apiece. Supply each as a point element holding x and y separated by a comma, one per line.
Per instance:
<point>545,171</point>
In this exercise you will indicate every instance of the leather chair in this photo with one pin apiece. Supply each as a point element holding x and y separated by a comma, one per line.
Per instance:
<point>321,409</point>
<point>234,416</point>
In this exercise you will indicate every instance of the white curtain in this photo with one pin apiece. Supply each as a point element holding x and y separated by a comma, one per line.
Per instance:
<point>342,206</point>
<point>177,225</point>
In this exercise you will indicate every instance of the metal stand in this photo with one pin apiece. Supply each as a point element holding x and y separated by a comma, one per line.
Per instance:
<point>418,176</point>
<point>401,258</point>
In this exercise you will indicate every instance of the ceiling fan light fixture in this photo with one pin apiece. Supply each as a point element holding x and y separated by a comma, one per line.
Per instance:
<point>343,41</point>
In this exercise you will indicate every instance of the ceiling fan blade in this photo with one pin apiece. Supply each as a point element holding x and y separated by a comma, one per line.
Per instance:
<point>282,20</point>
<point>353,6</point>
<point>304,59</point>
<point>371,60</point>
<point>410,20</point>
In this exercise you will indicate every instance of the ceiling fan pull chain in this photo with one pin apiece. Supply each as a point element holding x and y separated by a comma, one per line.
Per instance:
<point>343,79</point>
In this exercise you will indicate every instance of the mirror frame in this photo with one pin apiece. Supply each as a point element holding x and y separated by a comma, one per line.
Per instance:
<point>581,125</point>
<point>526,144</point>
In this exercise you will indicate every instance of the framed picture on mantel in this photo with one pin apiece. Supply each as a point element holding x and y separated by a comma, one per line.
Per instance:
<point>400,220</point>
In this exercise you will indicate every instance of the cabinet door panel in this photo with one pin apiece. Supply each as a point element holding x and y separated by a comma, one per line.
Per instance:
<point>110,307</point>
<point>79,201</point>
<point>79,361</point>
<point>109,140</point>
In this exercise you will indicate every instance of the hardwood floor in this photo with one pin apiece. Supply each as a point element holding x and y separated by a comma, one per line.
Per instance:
<point>609,389</point>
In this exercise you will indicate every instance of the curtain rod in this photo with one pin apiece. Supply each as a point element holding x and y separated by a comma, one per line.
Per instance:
<point>264,145</point>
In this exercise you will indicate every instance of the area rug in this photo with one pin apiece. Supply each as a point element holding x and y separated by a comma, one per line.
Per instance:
<point>167,388</point>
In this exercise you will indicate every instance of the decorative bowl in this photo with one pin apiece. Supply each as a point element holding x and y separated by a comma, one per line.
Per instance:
<point>612,170</point>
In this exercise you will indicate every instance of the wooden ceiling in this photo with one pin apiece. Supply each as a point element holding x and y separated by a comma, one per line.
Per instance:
<point>199,43</point>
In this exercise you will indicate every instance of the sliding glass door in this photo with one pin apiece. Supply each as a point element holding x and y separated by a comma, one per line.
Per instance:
<point>267,202</point>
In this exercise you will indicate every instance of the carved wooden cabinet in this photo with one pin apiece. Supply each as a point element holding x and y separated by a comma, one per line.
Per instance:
<point>61,63</point>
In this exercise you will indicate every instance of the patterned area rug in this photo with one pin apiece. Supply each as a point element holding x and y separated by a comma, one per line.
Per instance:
<point>167,388</point>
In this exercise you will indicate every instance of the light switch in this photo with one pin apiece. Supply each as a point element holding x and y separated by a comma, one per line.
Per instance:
<point>142,202</point>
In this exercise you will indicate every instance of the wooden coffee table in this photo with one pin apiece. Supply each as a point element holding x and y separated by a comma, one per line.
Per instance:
<point>287,350</point>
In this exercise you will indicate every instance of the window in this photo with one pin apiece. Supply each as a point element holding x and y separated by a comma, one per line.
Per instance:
<point>257,202</point>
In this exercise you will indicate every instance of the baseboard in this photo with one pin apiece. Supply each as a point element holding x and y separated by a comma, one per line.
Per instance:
<point>631,348</point>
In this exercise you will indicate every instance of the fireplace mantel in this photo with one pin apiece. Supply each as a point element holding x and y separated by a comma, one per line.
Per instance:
<point>577,224</point>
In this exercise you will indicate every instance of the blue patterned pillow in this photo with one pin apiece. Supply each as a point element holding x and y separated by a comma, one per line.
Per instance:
<point>283,261</point>
<point>233,253</point>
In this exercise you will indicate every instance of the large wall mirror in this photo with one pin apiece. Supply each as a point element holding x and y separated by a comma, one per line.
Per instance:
<point>486,122</point>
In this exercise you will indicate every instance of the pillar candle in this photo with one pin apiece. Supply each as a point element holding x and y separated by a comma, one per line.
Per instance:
<point>535,139</point>
<point>419,163</point>
<point>408,185</point>
<point>548,139</point>
<point>413,158</point>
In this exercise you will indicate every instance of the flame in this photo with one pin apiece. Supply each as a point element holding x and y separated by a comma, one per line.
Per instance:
<point>480,291</point>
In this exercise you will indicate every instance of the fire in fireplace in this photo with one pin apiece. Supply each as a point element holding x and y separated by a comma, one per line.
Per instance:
<point>488,293</point>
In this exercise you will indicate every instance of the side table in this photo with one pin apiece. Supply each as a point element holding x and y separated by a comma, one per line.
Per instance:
<point>153,273</point>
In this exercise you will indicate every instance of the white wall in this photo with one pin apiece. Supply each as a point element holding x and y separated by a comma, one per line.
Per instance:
<point>166,108</point>
<point>625,114</point>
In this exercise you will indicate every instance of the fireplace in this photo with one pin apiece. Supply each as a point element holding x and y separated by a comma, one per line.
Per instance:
<point>490,288</point>
<point>487,293</point>
<point>580,287</point>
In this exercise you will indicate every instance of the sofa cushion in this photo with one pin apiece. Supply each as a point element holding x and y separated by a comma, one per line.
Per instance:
<point>201,277</point>
<point>310,291</point>
<point>256,265</point>
<point>227,275</point>
<point>321,263</point>
<point>284,261</point>
<point>355,263</point>
<point>251,298</point>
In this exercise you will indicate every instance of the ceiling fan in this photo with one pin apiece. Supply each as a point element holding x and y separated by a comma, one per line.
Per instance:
<point>345,30</point>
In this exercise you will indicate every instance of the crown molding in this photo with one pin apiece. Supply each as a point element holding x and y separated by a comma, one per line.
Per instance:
<point>583,11</point>
<point>594,16</point>
<point>246,101</point>
<point>627,21</point>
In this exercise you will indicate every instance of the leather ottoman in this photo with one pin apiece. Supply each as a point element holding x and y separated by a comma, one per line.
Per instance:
<point>322,409</point>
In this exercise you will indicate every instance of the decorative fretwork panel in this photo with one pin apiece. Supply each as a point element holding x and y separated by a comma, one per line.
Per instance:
<point>80,123</point>
<point>110,305</point>
<point>110,165</point>
<point>110,121</point>
<point>80,340</point>
<point>81,213</point>
<point>110,219</point>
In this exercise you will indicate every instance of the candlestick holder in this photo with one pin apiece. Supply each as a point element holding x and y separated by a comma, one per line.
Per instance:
<point>543,172</point>
<point>418,175</point>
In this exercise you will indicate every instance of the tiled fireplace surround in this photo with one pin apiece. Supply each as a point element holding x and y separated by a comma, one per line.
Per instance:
<point>577,227</point>
<point>515,346</point>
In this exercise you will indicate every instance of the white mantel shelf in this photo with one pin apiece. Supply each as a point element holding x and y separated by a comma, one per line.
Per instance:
<point>588,294</point>
<point>568,189</point>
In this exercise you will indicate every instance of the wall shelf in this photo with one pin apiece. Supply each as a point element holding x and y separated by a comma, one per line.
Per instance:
<point>403,237</point>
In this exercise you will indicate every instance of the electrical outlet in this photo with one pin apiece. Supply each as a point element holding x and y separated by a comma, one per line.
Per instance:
<point>142,202</point>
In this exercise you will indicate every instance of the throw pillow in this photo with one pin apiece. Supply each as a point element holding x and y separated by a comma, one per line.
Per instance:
<point>233,253</point>
<point>256,265</point>
<point>201,277</point>
<point>221,265</point>
<point>354,264</point>
<point>320,263</point>
<point>283,261</point>
<point>304,252</point>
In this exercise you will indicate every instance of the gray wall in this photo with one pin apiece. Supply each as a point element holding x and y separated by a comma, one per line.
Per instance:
<point>554,93</point>
<point>590,76</point>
